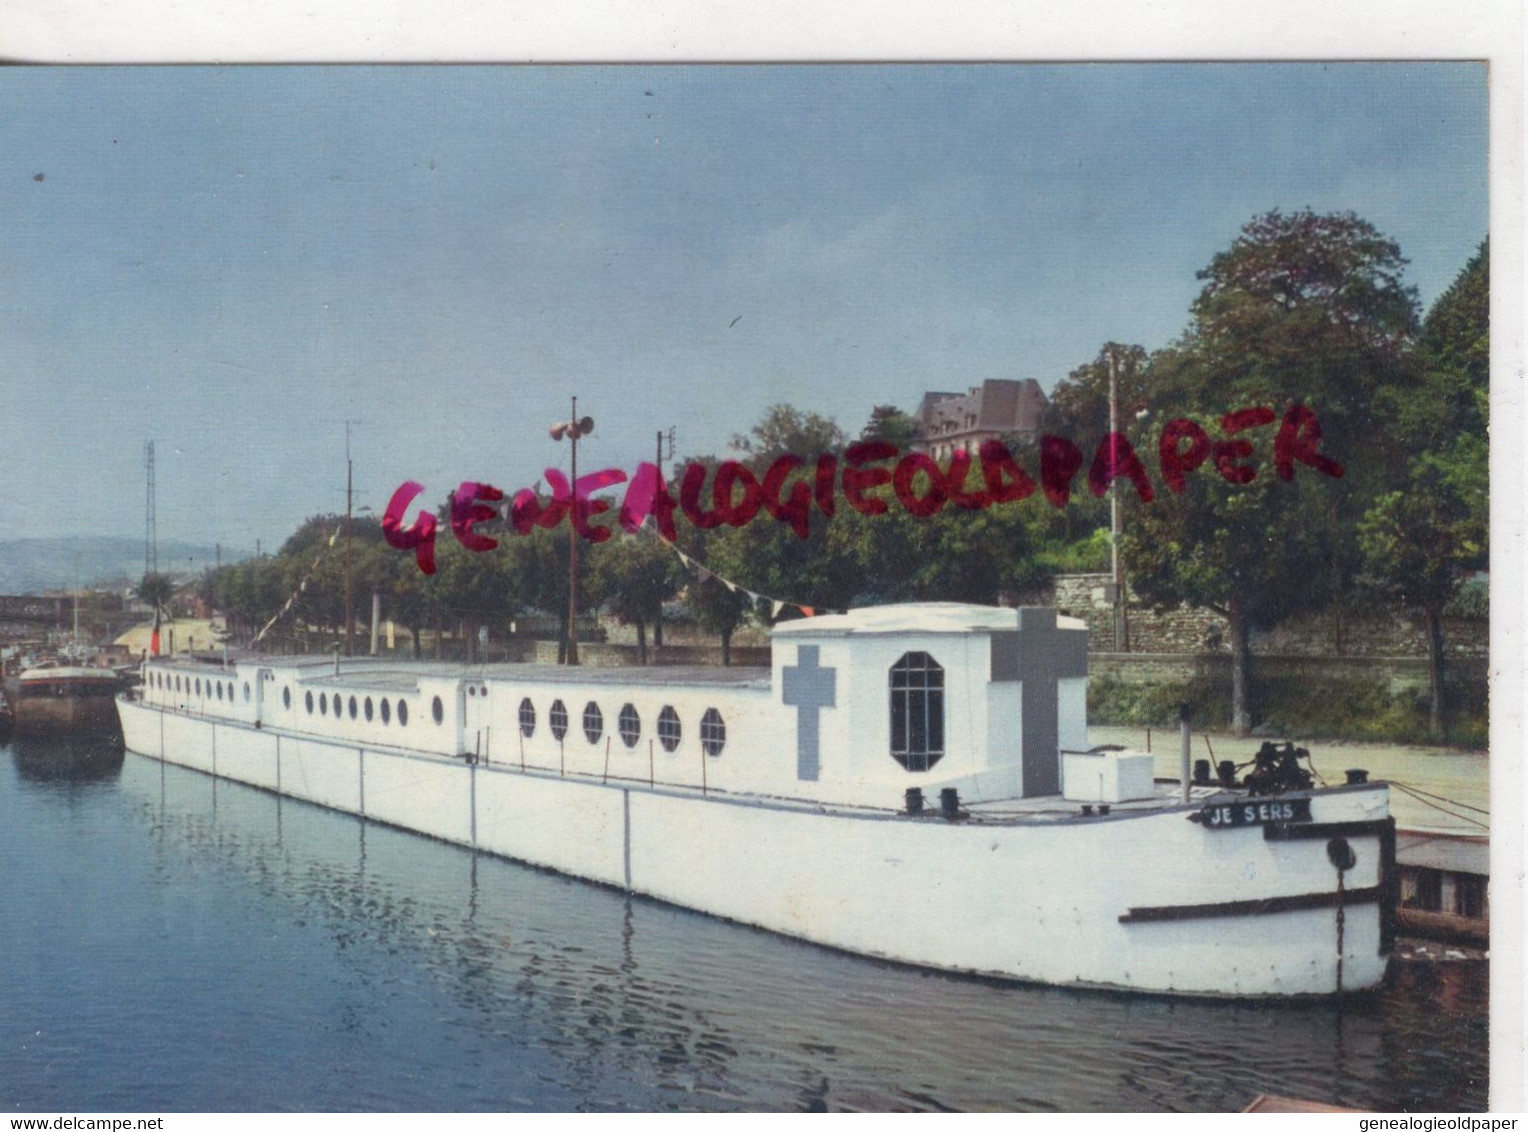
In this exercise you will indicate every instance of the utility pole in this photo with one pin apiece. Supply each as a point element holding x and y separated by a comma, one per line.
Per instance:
<point>1119,596</point>
<point>658,625</point>
<point>573,547</point>
<point>658,459</point>
<point>349,610</point>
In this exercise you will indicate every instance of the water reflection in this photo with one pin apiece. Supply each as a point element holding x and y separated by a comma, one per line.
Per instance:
<point>560,994</point>
<point>67,758</point>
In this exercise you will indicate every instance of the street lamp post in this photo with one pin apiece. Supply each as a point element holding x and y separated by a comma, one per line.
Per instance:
<point>573,428</point>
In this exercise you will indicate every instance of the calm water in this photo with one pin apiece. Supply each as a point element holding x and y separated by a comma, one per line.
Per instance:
<point>169,942</point>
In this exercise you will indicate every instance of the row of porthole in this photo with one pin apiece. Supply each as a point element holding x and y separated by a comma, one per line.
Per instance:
<point>167,681</point>
<point>713,729</point>
<point>337,704</point>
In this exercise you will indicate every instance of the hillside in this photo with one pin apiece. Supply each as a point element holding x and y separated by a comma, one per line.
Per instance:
<point>37,565</point>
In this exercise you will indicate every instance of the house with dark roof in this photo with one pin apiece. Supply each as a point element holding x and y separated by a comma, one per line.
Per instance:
<point>998,407</point>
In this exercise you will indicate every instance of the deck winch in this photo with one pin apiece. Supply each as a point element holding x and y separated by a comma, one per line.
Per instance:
<point>1277,770</point>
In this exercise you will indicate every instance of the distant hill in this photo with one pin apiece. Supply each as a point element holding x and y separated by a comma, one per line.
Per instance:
<point>36,565</point>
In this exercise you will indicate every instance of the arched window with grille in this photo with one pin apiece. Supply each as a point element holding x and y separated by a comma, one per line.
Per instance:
<point>917,711</point>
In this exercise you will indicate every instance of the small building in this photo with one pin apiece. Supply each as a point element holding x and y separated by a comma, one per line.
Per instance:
<point>1444,885</point>
<point>998,407</point>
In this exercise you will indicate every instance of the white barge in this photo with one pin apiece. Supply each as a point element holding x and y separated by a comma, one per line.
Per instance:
<point>793,799</point>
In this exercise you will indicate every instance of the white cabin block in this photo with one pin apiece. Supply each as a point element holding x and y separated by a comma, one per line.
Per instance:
<point>1107,776</point>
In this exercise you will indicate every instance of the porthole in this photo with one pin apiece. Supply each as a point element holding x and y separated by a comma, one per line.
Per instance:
<point>594,722</point>
<point>713,732</point>
<point>387,710</point>
<point>230,691</point>
<point>354,710</point>
<point>630,725</point>
<point>246,691</point>
<point>307,699</point>
<point>527,717</point>
<point>472,689</point>
<point>437,709</point>
<point>198,685</point>
<point>323,703</point>
<point>403,714</point>
<point>220,689</point>
<point>558,718</point>
<point>286,698</point>
<point>367,707</point>
<point>668,728</point>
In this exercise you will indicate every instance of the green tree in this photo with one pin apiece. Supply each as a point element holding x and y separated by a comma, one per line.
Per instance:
<point>632,576</point>
<point>1419,541</point>
<point>156,590</point>
<point>1079,405</point>
<point>1301,309</point>
<point>718,610</point>
<point>891,424</point>
<point>783,430</point>
<point>473,590</point>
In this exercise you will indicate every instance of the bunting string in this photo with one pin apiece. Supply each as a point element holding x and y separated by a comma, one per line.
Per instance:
<point>704,573</point>
<point>302,588</point>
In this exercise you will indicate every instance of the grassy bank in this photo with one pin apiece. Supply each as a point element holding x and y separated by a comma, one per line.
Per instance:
<point>1356,708</point>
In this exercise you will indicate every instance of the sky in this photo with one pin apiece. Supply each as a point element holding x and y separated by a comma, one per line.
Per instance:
<point>234,262</point>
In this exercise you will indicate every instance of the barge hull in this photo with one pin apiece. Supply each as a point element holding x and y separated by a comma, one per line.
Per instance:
<point>1067,902</point>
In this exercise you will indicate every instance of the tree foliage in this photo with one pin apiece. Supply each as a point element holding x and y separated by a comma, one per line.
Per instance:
<point>1420,539</point>
<point>1300,310</point>
<point>1078,408</point>
<point>632,576</point>
<point>156,590</point>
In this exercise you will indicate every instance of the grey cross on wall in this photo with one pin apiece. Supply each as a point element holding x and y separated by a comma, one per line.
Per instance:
<point>807,688</point>
<point>1039,654</point>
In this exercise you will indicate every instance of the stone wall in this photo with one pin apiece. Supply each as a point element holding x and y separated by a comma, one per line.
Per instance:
<point>1396,674</point>
<point>1191,630</point>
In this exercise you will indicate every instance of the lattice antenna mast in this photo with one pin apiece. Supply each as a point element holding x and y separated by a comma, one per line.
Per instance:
<point>150,522</point>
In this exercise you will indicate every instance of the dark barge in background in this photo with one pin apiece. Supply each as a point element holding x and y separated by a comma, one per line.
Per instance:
<point>59,699</point>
